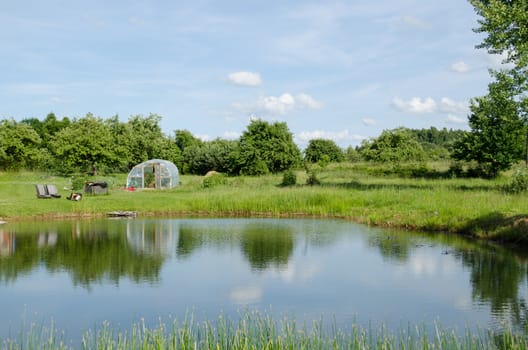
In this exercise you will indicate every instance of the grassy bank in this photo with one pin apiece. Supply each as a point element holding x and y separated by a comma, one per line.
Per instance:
<point>256,331</point>
<point>469,206</point>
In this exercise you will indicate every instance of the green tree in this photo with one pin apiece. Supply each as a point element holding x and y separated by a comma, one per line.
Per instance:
<point>184,139</point>
<point>86,145</point>
<point>496,138</point>
<point>318,149</point>
<point>121,136</point>
<point>48,127</point>
<point>219,155</point>
<point>19,145</point>
<point>266,147</point>
<point>266,248</point>
<point>437,143</point>
<point>392,146</point>
<point>505,23</point>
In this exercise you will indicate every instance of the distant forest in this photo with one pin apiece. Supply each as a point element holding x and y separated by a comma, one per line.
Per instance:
<point>94,145</point>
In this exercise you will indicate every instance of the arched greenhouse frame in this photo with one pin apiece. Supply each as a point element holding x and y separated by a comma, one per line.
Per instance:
<point>155,174</point>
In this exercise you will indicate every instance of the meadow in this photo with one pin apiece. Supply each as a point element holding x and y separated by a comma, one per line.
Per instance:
<point>357,192</point>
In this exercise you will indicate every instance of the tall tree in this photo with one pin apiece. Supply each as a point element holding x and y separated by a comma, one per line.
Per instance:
<point>319,149</point>
<point>505,23</point>
<point>86,145</point>
<point>147,141</point>
<point>267,147</point>
<point>185,139</point>
<point>496,137</point>
<point>19,145</point>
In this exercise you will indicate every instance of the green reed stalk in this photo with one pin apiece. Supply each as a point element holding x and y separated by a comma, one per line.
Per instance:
<point>254,330</point>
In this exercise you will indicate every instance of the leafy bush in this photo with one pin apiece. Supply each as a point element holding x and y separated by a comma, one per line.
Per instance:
<point>289,178</point>
<point>519,181</point>
<point>214,179</point>
<point>77,182</point>
<point>323,150</point>
<point>393,147</point>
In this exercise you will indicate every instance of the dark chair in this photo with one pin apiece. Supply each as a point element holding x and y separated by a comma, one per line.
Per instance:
<point>52,191</point>
<point>42,191</point>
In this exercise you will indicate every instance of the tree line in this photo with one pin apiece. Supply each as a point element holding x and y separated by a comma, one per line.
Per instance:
<point>95,145</point>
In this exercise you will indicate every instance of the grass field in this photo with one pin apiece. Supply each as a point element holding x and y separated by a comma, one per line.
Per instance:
<point>350,191</point>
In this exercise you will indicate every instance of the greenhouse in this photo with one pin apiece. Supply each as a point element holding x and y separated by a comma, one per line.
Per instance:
<point>155,174</point>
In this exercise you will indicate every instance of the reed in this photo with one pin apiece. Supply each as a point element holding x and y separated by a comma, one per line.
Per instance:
<point>469,206</point>
<point>254,330</point>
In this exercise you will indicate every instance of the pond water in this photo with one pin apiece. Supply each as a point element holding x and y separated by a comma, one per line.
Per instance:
<point>81,273</point>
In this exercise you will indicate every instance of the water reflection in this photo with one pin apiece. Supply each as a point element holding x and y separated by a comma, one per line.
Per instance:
<point>90,251</point>
<point>498,277</point>
<point>312,264</point>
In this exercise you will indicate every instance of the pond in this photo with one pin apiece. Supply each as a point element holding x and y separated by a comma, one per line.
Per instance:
<point>81,273</point>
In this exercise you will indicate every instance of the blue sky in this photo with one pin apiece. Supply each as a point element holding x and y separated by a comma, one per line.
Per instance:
<point>343,70</point>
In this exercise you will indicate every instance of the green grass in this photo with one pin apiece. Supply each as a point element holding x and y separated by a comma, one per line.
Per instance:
<point>254,330</point>
<point>355,192</point>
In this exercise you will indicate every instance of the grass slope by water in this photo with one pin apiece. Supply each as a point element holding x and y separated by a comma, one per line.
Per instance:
<point>468,206</point>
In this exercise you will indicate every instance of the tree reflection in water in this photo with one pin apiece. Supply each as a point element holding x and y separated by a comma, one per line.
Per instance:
<point>89,251</point>
<point>267,246</point>
<point>496,274</point>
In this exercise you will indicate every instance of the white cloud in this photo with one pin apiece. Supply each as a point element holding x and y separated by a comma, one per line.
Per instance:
<point>203,137</point>
<point>246,295</point>
<point>336,136</point>
<point>231,135</point>
<point>415,105</point>
<point>308,101</point>
<point>279,105</point>
<point>245,78</point>
<point>460,67</point>
<point>448,105</point>
<point>453,119</point>
<point>368,121</point>
<point>416,22</point>
<point>294,272</point>
<point>498,61</point>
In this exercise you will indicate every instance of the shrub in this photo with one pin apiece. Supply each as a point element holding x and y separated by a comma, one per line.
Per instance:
<point>323,150</point>
<point>289,178</point>
<point>77,182</point>
<point>519,181</point>
<point>214,179</point>
<point>312,179</point>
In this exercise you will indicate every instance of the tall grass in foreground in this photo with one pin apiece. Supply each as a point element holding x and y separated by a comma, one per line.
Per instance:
<point>256,331</point>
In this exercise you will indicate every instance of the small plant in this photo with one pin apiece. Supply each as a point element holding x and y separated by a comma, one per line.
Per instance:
<point>519,181</point>
<point>312,179</point>
<point>289,178</point>
<point>214,179</point>
<point>456,169</point>
<point>77,182</point>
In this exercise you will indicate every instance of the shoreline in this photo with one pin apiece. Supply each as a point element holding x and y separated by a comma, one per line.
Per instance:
<point>228,214</point>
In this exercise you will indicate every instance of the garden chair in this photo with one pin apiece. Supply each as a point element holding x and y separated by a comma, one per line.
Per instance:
<point>42,191</point>
<point>52,191</point>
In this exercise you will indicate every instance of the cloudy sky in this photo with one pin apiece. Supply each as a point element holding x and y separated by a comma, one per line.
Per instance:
<point>343,70</point>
